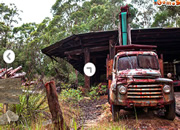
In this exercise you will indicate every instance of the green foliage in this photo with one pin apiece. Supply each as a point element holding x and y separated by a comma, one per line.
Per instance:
<point>72,77</point>
<point>8,16</point>
<point>167,16</point>
<point>30,109</point>
<point>88,16</point>
<point>71,95</point>
<point>144,12</point>
<point>96,91</point>
<point>103,89</point>
<point>80,80</point>
<point>93,94</point>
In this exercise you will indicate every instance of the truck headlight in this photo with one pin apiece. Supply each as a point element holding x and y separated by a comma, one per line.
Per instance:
<point>166,89</point>
<point>122,89</point>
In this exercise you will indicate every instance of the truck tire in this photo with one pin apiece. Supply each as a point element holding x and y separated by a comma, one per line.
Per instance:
<point>115,112</point>
<point>170,111</point>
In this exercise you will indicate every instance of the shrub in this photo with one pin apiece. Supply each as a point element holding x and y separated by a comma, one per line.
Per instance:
<point>72,95</point>
<point>93,94</point>
<point>30,109</point>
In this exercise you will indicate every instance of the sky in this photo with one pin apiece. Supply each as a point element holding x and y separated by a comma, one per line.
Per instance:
<point>33,10</point>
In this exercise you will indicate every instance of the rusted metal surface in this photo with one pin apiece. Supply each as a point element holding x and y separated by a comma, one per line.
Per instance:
<point>109,65</point>
<point>144,85</point>
<point>54,107</point>
<point>10,89</point>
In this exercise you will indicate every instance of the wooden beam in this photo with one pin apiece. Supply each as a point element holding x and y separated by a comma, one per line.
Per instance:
<point>87,59</point>
<point>99,35</point>
<point>97,49</point>
<point>73,57</point>
<point>111,48</point>
<point>95,40</point>
<point>74,52</point>
<point>92,49</point>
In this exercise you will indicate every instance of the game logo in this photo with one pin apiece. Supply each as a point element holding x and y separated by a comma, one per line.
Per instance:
<point>167,2</point>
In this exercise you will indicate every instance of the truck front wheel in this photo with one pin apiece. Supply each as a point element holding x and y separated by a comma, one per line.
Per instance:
<point>115,112</point>
<point>170,111</point>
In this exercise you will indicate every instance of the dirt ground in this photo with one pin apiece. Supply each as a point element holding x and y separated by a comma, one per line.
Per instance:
<point>96,115</point>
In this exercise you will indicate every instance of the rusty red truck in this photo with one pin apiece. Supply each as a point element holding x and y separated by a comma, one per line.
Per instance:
<point>134,76</point>
<point>137,81</point>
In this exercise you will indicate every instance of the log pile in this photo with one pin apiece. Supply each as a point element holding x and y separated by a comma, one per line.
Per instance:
<point>11,73</point>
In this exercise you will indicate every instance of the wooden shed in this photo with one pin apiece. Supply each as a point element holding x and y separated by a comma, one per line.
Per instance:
<point>95,46</point>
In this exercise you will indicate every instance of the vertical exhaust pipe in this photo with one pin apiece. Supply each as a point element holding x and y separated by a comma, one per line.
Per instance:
<point>124,27</point>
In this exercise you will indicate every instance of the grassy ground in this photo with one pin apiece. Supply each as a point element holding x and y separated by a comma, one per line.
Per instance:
<point>72,113</point>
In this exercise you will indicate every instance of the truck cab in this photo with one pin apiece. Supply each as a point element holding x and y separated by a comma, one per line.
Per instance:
<point>137,82</point>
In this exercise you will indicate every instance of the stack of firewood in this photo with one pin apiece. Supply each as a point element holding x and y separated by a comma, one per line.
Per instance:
<point>11,73</point>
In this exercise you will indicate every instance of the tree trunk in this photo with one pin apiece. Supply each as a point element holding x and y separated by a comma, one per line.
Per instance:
<point>54,107</point>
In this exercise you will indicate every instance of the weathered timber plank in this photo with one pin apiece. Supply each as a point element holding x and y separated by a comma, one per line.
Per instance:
<point>10,83</point>
<point>11,92</point>
<point>9,99</point>
<point>91,49</point>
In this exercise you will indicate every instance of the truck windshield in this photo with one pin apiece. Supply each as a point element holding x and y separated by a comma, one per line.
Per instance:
<point>140,61</point>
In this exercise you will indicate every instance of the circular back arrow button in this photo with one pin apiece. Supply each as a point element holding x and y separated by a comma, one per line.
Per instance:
<point>9,56</point>
<point>89,69</point>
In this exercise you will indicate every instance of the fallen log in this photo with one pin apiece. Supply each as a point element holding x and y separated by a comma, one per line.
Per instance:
<point>2,70</point>
<point>18,75</point>
<point>15,70</point>
<point>5,72</point>
<point>54,107</point>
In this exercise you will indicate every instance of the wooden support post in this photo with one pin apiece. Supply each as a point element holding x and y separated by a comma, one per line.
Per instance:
<point>111,48</point>
<point>94,78</point>
<point>110,60</point>
<point>129,34</point>
<point>86,59</point>
<point>5,105</point>
<point>54,107</point>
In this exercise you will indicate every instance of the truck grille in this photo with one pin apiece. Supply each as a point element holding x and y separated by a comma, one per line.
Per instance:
<point>149,91</point>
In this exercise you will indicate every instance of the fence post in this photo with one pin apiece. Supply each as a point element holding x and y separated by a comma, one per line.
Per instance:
<point>54,107</point>
<point>5,105</point>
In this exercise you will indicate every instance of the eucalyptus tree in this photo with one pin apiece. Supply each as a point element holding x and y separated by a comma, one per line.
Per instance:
<point>167,16</point>
<point>144,14</point>
<point>73,16</point>
<point>9,15</point>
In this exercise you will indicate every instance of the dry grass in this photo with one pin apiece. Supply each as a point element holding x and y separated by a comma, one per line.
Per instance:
<point>128,120</point>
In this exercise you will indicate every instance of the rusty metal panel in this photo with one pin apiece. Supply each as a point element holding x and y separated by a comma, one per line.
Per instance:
<point>144,93</point>
<point>144,96</point>
<point>145,85</point>
<point>161,67</point>
<point>10,89</point>
<point>144,89</point>
<point>109,68</point>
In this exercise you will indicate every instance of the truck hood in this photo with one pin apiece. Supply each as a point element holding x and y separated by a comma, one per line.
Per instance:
<point>139,72</point>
